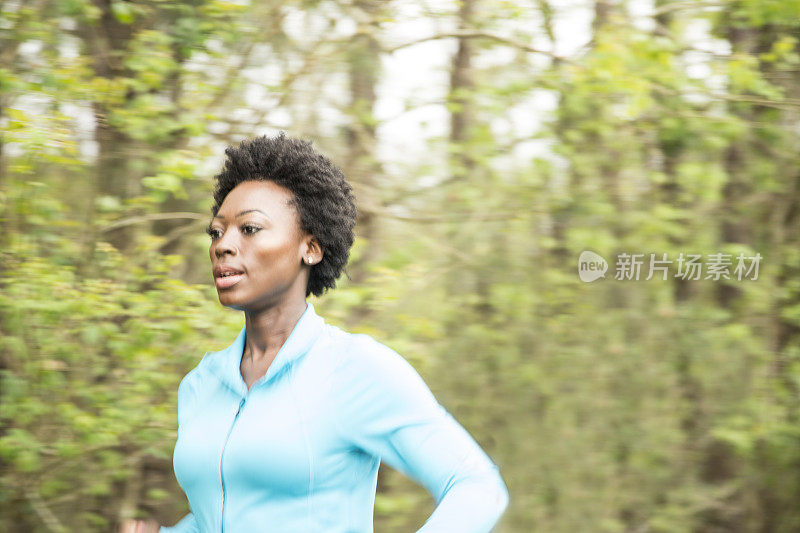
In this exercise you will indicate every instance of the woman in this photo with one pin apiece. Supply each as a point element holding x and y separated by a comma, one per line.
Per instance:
<point>284,430</point>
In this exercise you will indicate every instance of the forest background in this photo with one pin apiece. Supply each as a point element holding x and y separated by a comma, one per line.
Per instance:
<point>489,142</point>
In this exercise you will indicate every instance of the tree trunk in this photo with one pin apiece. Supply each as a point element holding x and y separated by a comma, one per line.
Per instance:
<point>361,166</point>
<point>461,163</point>
<point>107,44</point>
<point>461,85</point>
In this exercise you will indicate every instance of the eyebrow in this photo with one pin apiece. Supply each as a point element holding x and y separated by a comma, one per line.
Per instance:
<point>244,213</point>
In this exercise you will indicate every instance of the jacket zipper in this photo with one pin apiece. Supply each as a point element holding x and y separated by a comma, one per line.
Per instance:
<point>221,453</point>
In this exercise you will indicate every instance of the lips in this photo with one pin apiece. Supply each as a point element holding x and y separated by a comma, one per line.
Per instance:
<point>226,276</point>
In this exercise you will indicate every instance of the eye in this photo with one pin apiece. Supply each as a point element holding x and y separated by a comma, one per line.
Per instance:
<point>249,229</point>
<point>214,233</point>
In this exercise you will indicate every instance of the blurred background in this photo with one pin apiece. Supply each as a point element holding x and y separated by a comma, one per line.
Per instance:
<point>489,143</point>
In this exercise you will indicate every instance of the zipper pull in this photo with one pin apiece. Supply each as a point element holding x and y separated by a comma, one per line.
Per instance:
<point>241,404</point>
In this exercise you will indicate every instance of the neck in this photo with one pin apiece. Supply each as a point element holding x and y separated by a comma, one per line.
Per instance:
<point>268,330</point>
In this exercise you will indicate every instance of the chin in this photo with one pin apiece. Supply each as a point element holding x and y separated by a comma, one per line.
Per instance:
<point>230,301</point>
<point>235,307</point>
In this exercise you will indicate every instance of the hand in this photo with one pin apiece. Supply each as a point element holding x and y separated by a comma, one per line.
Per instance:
<point>139,526</point>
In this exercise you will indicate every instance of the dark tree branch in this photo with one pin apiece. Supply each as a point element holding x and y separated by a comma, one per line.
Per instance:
<point>474,34</point>
<point>153,216</point>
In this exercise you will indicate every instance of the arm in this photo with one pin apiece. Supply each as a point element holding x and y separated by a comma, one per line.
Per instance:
<point>186,525</point>
<point>474,496</point>
<point>186,398</point>
<point>388,411</point>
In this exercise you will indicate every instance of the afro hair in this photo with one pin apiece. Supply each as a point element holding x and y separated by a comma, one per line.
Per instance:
<point>322,196</point>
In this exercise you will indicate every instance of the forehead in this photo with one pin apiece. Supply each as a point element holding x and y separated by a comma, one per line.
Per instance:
<point>265,195</point>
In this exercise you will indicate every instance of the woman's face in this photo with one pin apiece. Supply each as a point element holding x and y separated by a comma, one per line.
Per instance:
<point>257,247</point>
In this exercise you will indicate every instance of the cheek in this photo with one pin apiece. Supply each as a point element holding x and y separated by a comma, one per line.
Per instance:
<point>272,255</point>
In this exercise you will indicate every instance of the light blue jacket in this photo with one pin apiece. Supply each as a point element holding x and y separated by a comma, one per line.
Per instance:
<point>299,452</point>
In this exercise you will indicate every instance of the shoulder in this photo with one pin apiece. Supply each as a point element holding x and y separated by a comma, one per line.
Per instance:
<point>366,362</point>
<point>361,345</point>
<point>376,390</point>
<point>193,379</point>
<point>353,350</point>
<point>360,351</point>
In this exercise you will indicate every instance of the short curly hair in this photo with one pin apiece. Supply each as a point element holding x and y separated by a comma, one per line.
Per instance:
<point>322,196</point>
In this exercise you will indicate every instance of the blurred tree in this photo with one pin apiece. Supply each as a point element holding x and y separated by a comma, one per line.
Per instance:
<point>661,405</point>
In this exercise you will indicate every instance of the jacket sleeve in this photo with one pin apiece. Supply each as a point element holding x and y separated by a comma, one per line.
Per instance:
<point>186,525</point>
<point>387,410</point>
<point>186,399</point>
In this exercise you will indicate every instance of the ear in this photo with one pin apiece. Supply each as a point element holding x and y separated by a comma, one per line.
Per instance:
<point>313,251</point>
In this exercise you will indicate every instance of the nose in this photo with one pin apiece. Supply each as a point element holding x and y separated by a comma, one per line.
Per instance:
<point>225,244</point>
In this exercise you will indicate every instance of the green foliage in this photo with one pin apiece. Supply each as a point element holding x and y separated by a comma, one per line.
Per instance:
<point>91,373</point>
<point>609,406</point>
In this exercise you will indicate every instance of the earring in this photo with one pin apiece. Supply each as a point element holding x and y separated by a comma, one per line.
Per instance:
<point>310,261</point>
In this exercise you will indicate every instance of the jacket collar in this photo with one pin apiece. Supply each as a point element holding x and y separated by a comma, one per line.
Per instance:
<point>226,363</point>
